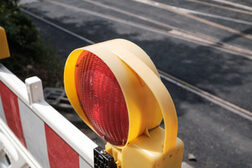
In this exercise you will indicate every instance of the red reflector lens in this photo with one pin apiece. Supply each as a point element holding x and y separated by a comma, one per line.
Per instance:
<point>101,98</point>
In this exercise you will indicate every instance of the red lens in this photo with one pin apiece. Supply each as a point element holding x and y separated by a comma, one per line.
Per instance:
<point>101,98</point>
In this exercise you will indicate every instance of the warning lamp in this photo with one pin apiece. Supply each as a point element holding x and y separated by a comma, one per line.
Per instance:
<point>4,49</point>
<point>116,89</point>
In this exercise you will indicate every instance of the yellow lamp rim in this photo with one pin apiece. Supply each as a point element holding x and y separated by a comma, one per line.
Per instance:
<point>113,57</point>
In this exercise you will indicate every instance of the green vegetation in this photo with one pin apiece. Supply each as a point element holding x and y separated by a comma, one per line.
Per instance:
<point>29,56</point>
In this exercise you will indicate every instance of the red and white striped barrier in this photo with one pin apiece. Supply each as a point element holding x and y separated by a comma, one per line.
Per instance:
<point>51,139</point>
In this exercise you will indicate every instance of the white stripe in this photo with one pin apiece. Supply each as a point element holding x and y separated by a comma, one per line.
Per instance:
<point>184,10</point>
<point>2,115</point>
<point>212,15</point>
<point>234,4</point>
<point>83,163</point>
<point>34,133</point>
<point>212,98</point>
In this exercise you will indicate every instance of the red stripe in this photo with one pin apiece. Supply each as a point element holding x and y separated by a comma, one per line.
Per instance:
<point>11,111</point>
<point>60,154</point>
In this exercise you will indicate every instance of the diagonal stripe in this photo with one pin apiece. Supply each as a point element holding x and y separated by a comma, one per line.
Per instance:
<point>11,111</point>
<point>34,133</point>
<point>60,154</point>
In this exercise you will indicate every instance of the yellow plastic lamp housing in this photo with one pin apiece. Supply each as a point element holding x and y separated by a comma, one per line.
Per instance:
<point>4,49</point>
<point>147,101</point>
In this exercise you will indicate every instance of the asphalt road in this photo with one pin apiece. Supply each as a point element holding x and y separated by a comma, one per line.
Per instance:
<point>214,134</point>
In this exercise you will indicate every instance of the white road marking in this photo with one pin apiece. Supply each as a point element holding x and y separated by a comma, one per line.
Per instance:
<point>177,8</point>
<point>200,13</point>
<point>222,7</point>
<point>213,16</point>
<point>206,41</point>
<point>234,4</point>
<point>188,15</point>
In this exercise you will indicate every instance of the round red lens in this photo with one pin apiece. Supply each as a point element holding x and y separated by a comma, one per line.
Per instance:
<point>101,98</point>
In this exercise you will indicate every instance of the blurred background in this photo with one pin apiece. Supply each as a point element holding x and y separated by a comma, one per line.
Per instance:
<point>202,49</point>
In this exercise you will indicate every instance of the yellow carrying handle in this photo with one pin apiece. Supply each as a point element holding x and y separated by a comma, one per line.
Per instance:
<point>4,49</point>
<point>160,93</point>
